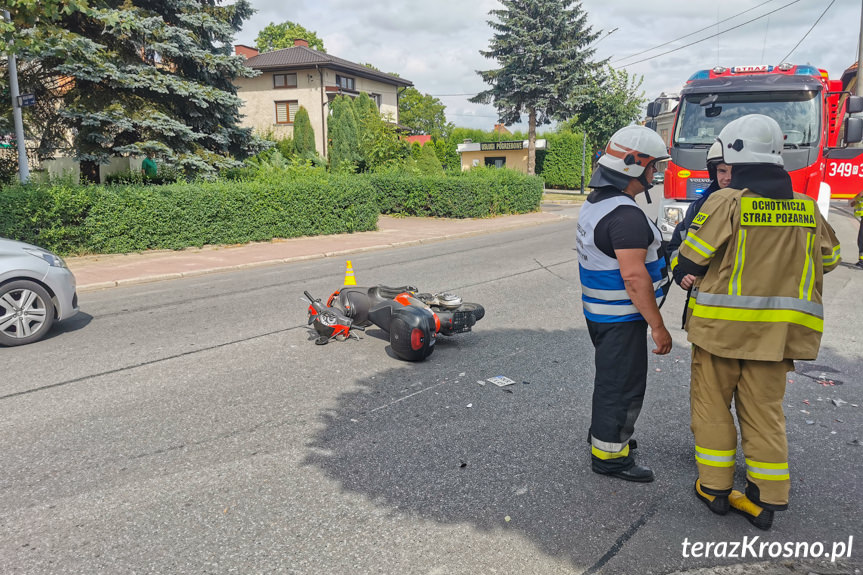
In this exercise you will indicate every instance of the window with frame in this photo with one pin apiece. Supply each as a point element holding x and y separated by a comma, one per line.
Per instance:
<point>376,98</point>
<point>284,81</point>
<point>345,82</point>
<point>285,111</point>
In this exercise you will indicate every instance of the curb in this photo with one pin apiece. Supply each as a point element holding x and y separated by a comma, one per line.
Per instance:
<point>266,263</point>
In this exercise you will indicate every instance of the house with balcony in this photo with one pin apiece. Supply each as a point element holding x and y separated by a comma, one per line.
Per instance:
<point>299,76</point>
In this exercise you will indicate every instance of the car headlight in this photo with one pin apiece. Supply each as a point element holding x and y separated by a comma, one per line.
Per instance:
<point>52,259</point>
<point>673,216</point>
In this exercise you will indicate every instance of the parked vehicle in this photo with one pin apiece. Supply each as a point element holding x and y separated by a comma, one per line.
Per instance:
<point>811,110</point>
<point>36,289</point>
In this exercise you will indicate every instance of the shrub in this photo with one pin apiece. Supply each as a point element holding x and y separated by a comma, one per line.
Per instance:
<point>222,212</point>
<point>48,215</point>
<point>304,136</point>
<point>476,193</point>
<point>284,200</point>
<point>561,165</point>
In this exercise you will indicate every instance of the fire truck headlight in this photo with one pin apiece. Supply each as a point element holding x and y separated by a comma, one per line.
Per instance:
<point>673,216</point>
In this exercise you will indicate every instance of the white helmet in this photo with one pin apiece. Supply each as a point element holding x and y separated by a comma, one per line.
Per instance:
<point>714,154</point>
<point>631,149</point>
<point>752,139</point>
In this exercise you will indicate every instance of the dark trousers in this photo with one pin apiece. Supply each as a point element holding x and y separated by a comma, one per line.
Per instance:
<point>619,386</point>
<point>860,240</point>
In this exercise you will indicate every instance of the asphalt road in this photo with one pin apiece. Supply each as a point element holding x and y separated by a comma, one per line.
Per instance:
<point>192,426</point>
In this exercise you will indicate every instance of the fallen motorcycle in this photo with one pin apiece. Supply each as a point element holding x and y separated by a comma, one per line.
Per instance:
<point>412,319</point>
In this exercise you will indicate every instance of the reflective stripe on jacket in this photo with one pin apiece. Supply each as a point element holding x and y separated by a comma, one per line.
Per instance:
<point>760,297</point>
<point>603,292</point>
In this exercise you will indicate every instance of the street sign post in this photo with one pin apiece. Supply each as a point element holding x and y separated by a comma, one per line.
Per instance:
<point>25,100</point>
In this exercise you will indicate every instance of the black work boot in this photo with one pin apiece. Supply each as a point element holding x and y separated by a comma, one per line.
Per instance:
<point>758,516</point>
<point>716,503</point>
<point>637,473</point>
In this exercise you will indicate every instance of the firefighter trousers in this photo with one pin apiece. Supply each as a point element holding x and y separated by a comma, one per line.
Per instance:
<point>618,390</point>
<point>757,388</point>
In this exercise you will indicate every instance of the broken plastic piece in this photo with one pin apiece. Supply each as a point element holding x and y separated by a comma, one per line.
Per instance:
<point>500,380</point>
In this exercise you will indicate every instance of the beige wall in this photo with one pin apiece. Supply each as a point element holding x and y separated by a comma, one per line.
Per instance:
<point>259,97</point>
<point>515,159</point>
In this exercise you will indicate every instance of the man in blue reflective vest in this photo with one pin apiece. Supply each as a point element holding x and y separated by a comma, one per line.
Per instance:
<point>623,277</point>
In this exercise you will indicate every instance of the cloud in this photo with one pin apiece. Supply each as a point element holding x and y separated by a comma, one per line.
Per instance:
<point>436,44</point>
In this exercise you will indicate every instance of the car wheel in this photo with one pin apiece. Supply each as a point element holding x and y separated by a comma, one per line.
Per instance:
<point>26,312</point>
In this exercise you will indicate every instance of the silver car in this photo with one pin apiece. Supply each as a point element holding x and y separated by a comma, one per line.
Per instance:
<point>36,289</point>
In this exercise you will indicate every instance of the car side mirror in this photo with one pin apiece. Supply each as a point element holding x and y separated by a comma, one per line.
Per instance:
<point>854,105</point>
<point>853,130</point>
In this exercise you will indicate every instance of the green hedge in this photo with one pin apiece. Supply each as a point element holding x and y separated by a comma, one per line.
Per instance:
<point>115,219</point>
<point>561,167</point>
<point>477,193</point>
<point>73,219</point>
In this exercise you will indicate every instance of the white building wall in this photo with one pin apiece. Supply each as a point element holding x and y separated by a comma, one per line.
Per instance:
<point>260,97</point>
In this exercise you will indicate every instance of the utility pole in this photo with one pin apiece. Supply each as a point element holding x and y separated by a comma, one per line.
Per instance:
<point>859,89</point>
<point>23,165</point>
<point>583,151</point>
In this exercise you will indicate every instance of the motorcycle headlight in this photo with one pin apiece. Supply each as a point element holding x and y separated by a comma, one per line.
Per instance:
<point>52,259</point>
<point>673,216</point>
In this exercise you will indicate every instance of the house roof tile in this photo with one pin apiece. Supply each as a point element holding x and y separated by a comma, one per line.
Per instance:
<point>303,57</point>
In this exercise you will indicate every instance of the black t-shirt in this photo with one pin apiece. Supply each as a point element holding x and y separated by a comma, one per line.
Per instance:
<point>624,228</point>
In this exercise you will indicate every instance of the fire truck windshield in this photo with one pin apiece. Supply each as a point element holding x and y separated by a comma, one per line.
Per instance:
<point>703,116</point>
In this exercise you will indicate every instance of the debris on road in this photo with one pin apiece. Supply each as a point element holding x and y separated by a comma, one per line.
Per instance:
<point>838,402</point>
<point>481,382</point>
<point>500,380</point>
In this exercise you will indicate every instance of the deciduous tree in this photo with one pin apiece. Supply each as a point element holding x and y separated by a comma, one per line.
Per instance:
<point>277,36</point>
<point>423,114</point>
<point>612,99</point>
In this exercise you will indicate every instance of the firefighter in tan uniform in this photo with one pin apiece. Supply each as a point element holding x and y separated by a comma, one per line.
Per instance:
<point>759,251</point>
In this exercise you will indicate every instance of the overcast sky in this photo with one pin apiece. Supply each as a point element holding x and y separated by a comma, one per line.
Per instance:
<point>435,44</point>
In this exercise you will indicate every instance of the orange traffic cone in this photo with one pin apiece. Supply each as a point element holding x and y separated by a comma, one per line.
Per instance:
<point>350,280</point>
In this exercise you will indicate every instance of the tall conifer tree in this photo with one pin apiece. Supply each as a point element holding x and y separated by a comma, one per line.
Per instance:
<point>543,49</point>
<point>344,135</point>
<point>304,134</point>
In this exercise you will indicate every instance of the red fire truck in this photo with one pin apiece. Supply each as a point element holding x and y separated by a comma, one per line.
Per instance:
<point>810,108</point>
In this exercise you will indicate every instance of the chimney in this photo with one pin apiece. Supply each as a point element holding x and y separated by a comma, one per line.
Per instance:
<point>246,51</point>
<point>300,42</point>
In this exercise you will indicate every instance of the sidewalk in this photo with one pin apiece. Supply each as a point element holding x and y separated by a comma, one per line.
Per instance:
<point>107,271</point>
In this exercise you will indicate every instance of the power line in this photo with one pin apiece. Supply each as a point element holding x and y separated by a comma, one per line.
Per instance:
<point>691,33</point>
<point>711,36</point>
<point>785,59</point>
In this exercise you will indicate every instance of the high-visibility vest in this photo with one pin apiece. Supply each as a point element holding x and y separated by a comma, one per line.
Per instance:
<point>760,298</point>
<point>603,293</point>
